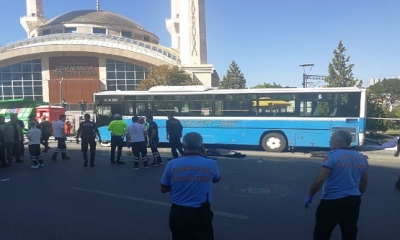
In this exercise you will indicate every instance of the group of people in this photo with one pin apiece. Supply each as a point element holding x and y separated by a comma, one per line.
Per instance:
<point>343,176</point>
<point>12,140</point>
<point>141,134</point>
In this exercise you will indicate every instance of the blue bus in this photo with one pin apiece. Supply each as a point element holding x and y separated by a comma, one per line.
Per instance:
<point>275,119</point>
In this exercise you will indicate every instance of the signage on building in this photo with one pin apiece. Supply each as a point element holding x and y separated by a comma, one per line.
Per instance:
<point>74,68</point>
<point>73,78</point>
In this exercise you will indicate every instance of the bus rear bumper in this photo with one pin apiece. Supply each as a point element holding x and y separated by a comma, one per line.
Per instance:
<point>105,144</point>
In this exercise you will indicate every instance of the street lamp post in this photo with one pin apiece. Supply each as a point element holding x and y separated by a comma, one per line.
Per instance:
<point>310,65</point>
<point>61,91</point>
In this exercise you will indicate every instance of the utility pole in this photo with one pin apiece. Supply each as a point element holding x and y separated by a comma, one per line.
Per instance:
<point>306,77</point>
<point>61,90</point>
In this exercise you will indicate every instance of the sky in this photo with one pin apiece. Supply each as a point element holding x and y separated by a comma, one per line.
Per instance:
<point>268,39</point>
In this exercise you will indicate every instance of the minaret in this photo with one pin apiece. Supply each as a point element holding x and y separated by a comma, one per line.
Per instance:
<point>98,5</point>
<point>173,24</point>
<point>187,27</point>
<point>34,16</point>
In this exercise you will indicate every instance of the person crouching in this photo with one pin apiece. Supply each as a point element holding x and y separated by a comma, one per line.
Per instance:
<point>34,135</point>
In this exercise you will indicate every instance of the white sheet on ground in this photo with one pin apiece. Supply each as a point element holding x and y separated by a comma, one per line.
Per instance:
<point>391,145</point>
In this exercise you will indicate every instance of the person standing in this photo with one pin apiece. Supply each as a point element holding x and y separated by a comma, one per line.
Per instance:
<point>13,137</point>
<point>67,127</point>
<point>118,129</point>
<point>189,179</point>
<point>2,121</point>
<point>174,134</point>
<point>135,135</point>
<point>142,120</point>
<point>343,178</point>
<point>87,131</point>
<point>153,140</point>
<point>34,134</point>
<point>3,162</point>
<point>61,137</point>
<point>46,127</point>
<point>21,142</point>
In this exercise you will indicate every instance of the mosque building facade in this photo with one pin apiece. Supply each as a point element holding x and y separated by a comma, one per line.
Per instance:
<point>78,53</point>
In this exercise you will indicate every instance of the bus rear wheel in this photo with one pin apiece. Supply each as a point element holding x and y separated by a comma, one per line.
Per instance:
<point>273,142</point>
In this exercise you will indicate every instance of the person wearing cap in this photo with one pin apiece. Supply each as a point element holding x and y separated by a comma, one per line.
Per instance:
<point>13,137</point>
<point>87,131</point>
<point>117,127</point>
<point>174,134</point>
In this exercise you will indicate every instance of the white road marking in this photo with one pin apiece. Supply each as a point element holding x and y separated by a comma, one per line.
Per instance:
<point>144,200</point>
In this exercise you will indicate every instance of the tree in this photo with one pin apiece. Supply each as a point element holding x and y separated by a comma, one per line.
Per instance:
<point>268,85</point>
<point>339,72</point>
<point>386,91</point>
<point>374,109</point>
<point>233,79</point>
<point>166,75</point>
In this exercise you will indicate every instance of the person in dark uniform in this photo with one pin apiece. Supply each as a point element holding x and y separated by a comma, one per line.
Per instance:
<point>118,128</point>
<point>174,134</point>
<point>189,179</point>
<point>21,142</point>
<point>87,131</point>
<point>3,162</point>
<point>153,140</point>
<point>47,128</point>
<point>13,135</point>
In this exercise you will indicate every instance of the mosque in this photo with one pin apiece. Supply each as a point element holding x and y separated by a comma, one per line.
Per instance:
<point>76,54</point>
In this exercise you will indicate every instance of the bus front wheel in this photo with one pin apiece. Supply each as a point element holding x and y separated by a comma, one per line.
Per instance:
<point>273,142</point>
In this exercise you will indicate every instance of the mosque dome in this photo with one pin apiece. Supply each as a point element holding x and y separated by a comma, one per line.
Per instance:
<point>99,17</point>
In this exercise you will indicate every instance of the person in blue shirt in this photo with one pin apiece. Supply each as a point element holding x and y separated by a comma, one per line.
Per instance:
<point>189,180</point>
<point>343,178</point>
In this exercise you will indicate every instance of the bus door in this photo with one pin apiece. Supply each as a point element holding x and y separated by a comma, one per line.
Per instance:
<point>316,112</point>
<point>347,116</point>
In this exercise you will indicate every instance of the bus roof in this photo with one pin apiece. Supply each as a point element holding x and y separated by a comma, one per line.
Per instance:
<point>171,90</point>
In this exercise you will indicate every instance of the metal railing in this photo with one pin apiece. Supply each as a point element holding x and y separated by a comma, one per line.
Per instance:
<point>75,107</point>
<point>123,43</point>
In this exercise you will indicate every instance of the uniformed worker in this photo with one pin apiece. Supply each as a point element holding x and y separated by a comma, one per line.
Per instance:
<point>87,131</point>
<point>153,140</point>
<point>118,128</point>
<point>189,179</point>
<point>135,135</point>
<point>174,134</point>
<point>343,176</point>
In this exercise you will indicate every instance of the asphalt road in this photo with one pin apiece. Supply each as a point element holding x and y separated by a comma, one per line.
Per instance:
<point>259,197</point>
